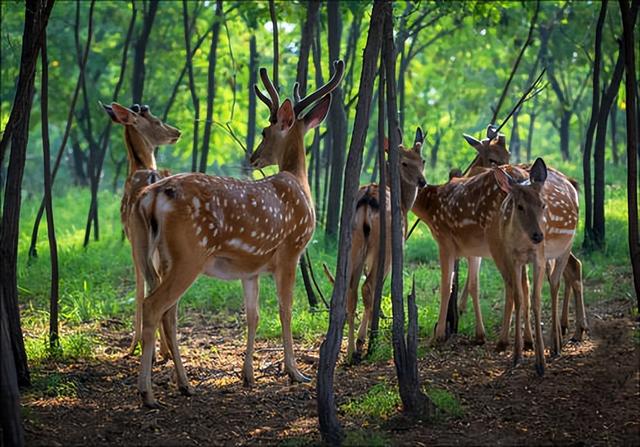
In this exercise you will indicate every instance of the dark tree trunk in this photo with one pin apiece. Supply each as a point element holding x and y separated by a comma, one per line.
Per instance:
<point>80,175</point>
<point>586,155</point>
<point>53,245</point>
<point>414,402</point>
<point>137,86</point>
<point>17,131</point>
<point>613,116</point>
<point>211,86</point>
<point>329,425</point>
<point>382,200</point>
<point>276,45</point>
<point>532,121</point>
<point>315,147</point>
<point>83,63</point>
<point>565,119</point>
<point>337,124</point>
<point>598,153</point>
<point>253,80</point>
<point>192,85</point>
<point>633,145</point>
<point>515,143</point>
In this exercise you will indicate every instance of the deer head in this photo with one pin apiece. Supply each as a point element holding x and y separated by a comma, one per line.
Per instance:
<point>288,124</point>
<point>412,163</point>
<point>523,208</point>
<point>147,126</point>
<point>492,151</point>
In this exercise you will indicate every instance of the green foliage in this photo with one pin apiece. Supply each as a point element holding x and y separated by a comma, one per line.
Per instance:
<point>53,384</point>
<point>445,402</point>
<point>381,401</point>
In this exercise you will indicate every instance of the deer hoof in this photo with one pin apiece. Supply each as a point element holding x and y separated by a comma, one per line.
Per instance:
<point>540,369</point>
<point>528,345</point>
<point>501,346</point>
<point>148,401</point>
<point>186,390</point>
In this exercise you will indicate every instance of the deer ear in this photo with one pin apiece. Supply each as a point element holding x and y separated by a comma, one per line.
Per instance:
<point>122,114</point>
<point>318,113</point>
<point>419,137</point>
<point>492,131</point>
<point>503,180</point>
<point>285,116</point>
<point>538,173</point>
<point>472,141</point>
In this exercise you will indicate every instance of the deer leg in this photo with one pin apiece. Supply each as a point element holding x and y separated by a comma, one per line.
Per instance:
<point>517,300</point>
<point>554,285</point>
<point>352,302</point>
<point>251,304</point>
<point>367,301</point>
<point>161,299</point>
<point>526,309</point>
<point>538,278</point>
<point>285,277</point>
<point>446,279</point>
<point>137,325</point>
<point>564,318</point>
<point>503,340</point>
<point>575,267</point>
<point>474,290</point>
<point>169,327</point>
<point>464,296</point>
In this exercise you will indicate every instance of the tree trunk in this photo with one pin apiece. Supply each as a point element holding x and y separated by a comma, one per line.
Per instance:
<point>17,131</point>
<point>137,85</point>
<point>532,121</point>
<point>565,119</point>
<point>276,46</point>
<point>253,80</point>
<point>382,200</point>
<point>337,124</point>
<point>192,85</point>
<point>414,402</point>
<point>329,425</point>
<point>633,145</point>
<point>514,143</point>
<point>83,63</point>
<point>598,153</point>
<point>613,115</point>
<point>315,147</point>
<point>211,86</point>
<point>53,245</point>
<point>586,154</point>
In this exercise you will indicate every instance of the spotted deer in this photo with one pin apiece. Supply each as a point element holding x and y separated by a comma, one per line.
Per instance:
<point>143,132</point>
<point>232,229</point>
<point>459,215</point>
<point>365,239</point>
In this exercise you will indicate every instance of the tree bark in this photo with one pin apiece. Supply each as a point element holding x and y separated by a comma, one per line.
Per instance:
<point>33,253</point>
<point>253,80</point>
<point>329,425</point>
<point>633,145</point>
<point>53,245</point>
<point>414,402</point>
<point>586,154</point>
<point>315,147</point>
<point>337,123</point>
<point>211,86</point>
<point>609,95</point>
<point>514,143</point>
<point>382,200</point>
<point>276,46</point>
<point>192,85</point>
<point>36,17</point>
<point>613,116</point>
<point>140,52</point>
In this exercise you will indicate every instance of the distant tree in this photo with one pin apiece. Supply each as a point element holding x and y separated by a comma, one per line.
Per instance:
<point>188,31</point>
<point>140,50</point>
<point>330,428</point>
<point>14,370</point>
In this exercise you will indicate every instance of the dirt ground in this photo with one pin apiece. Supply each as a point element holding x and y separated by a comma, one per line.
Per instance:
<point>589,395</point>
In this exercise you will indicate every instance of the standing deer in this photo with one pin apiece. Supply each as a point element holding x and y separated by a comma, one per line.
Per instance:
<point>232,229</point>
<point>365,239</point>
<point>459,215</point>
<point>143,132</point>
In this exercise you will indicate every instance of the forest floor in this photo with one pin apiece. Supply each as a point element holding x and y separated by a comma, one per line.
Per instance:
<point>590,394</point>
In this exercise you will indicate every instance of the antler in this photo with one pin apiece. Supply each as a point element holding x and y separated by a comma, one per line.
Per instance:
<point>272,103</point>
<point>301,104</point>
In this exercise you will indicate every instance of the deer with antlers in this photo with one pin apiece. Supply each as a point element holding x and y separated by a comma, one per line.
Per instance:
<point>232,229</point>
<point>143,132</point>
<point>365,242</point>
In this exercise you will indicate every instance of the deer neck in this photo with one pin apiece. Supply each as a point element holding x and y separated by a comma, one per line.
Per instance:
<point>408,193</point>
<point>293,159</point>
<point>139,151</point>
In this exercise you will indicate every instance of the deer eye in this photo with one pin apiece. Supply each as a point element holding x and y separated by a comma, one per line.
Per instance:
<point>404,164</point>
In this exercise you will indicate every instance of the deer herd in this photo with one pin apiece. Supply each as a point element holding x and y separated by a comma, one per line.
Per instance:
<point>184,225</point>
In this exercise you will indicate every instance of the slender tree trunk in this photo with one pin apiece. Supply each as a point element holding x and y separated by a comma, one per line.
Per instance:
<point>83,64</point>
<point>337,123</point>
<point>414,402</point>
<point>140,52</point>
<point>586,155</point>
<point>514,143</point>
<point>276,46</point>
<point>382,200</point>
<point>53,245</point>
<point>17,131</point>
<point>329,425</point>
<point>598,153</point>
<point>532,121</point>
<point>253,80</point>
<point>613,116</point>
<point>315,147</point>
<point>565,119</point>
<point>633,146</point>
<point>211,86</point>
<point>192,85</point>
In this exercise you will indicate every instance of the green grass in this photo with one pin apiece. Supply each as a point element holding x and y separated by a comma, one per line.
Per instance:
<point>446,403</point>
